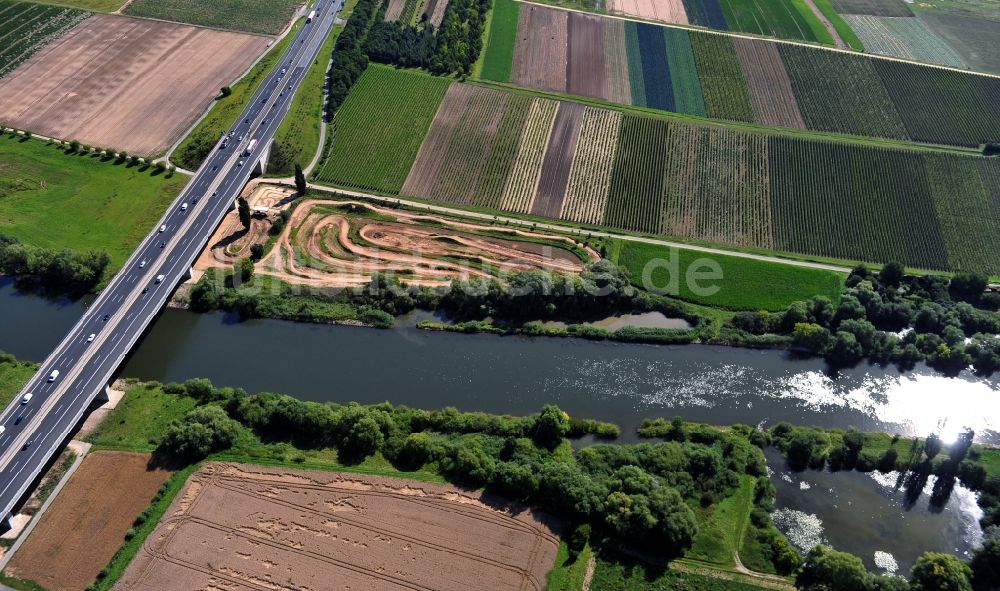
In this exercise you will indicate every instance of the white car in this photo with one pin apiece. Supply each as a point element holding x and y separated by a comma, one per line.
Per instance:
<point>240,163</point>
<point>184,206</point>
<point>91,338</point>
<point>142,264</point>
<point>26,398</point>
<point>53,375</point>
<point>159,278</point>
<point>163,228</point>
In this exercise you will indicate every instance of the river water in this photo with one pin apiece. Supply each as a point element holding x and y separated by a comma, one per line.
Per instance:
<point>617,382</point>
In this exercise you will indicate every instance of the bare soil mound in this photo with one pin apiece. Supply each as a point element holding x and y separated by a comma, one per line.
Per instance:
<point>343,243</point>
<point>251,527</point>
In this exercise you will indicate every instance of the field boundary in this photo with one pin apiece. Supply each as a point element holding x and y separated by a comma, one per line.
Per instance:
<point>37,517</point>
<point>501,217</point>
<point>276,39</point>
<point>759,128</point>
<point>690,27</point>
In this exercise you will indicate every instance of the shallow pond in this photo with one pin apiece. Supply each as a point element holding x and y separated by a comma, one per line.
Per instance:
<point>870,515</point>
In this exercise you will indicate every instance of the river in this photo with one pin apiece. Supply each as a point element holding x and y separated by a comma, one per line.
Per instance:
<point>617,382</point>
<point>621,383</point>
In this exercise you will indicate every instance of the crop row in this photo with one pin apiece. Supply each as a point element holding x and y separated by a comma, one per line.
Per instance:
<point>637,172</point>
<point>25,28</point>
<point>379,128</point>
<point>721,77</point>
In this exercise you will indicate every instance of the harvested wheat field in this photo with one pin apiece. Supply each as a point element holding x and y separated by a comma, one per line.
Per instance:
<point>251,527</point>
<point>126,83</point>
<point>86,523</point>
<point>667,11</point>
<point>340,243</point>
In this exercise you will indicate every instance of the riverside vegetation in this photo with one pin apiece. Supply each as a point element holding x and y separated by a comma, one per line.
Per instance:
<point>661,497</point>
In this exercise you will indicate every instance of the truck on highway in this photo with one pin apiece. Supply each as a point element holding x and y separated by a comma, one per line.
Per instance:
<point>250,147</point>
<point>311,16</point>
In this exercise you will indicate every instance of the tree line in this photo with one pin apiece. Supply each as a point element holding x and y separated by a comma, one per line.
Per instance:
<point>640,495</point>
<point>891,317</point>
<point>58,271</point>
<point>450,49</point>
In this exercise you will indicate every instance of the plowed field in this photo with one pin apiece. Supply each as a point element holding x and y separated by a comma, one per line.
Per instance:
<point>86,523</point>
<point>124,83</point>
<point>251,527</point>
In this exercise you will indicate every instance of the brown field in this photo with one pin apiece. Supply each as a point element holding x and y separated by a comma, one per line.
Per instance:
<point>767,80</point>
<point>541,51</point>
<point>619,85</point>
<point>558,160</point>
<point>587,71</point>
<point>241,527</point>
<point>466,157</point>
<point>667,11</point>
<point>394,9</point>
<point>126,83</point>
<point>435,11</point>
<point>334,244</point>
<point>87,522</point>
<point>431,156</point>
<point>590,177</point>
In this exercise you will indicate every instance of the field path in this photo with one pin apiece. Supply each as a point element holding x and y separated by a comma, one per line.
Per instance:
<point>569,229</point>
<point>826,23</point>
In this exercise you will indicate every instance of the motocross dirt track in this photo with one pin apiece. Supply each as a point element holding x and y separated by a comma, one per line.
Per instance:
<point>239,527</point>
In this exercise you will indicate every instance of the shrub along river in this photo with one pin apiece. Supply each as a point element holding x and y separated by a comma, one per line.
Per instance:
<point>617,382</point>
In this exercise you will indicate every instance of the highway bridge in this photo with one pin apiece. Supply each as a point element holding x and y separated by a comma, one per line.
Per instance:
<point>34,431</point>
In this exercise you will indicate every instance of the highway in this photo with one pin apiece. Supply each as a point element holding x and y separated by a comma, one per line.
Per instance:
<point>90,353</point>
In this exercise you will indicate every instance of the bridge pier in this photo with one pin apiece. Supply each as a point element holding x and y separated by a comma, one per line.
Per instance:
<point>103,396</point>
<point>260,168</point>
<point>8,523</point>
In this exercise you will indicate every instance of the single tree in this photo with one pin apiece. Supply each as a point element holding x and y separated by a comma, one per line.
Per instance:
<point>244,269</point>
<point>940,572</point>
<point>225,91</point>
<point>300,180</point>
<point>826,569</point>
<point>244,210</point>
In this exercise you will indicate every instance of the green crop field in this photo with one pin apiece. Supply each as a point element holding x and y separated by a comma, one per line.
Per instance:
<point>297,138</point>
<point>90,5</point>
<point>264,17</point>
<point>941,106</point>
<point>376,133</point>
<point>722,79</point>
<point>844,30</point>
<point>55,200</point>
<point>638,172</point>
<point>746,284</point>
<point>196,145</point>
<point>499,54</point>
<point>26,28</point>
<point>841,93</point>
<point>707,74</point>
<point>785,20</point>
<point>636,192</point>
